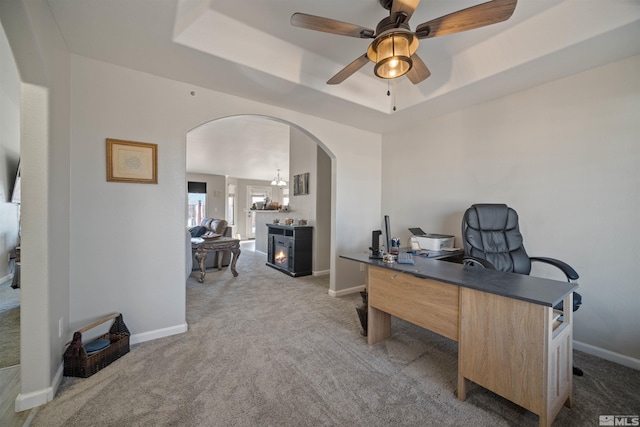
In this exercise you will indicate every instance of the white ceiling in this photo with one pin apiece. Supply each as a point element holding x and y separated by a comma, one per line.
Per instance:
<point>240,147</point>
<point>248,48</point>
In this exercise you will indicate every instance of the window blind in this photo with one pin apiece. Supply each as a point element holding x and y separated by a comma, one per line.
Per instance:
<point>196,187</point>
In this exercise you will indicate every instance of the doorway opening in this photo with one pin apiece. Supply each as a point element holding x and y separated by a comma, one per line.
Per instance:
<point>244,153</point>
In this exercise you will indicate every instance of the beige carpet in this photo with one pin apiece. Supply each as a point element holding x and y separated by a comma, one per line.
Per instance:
<point>265,349</point>
<point>9,325</point>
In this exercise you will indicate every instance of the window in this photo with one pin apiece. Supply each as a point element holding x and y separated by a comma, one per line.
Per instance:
<point>231,204</point>
<point>256,194</point>
<point>196,202</point>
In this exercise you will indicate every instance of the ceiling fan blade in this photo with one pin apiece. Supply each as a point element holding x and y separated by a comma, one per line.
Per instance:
<point>470,18</point>
<point>349,70</point>
<point>405,6</point>
<point>418,71</point>
<point>328,25</point>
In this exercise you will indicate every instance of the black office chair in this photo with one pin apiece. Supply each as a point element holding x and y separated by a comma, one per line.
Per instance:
<point>492,239</point>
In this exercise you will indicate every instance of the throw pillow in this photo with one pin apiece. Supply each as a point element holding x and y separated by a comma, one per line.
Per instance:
<point>197,231</point>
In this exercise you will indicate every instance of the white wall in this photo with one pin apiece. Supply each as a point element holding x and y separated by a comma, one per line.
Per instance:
<point>566,156</point>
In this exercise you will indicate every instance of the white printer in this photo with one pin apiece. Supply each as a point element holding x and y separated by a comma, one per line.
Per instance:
<point>431,242</point>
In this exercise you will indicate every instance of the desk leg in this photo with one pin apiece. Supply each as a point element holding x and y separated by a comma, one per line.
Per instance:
<point>201,257</point>
<point>462,381</point>
<point>462,387</point>
<point>378,325</point>
<point>235,255</point>
<point>15,283</point>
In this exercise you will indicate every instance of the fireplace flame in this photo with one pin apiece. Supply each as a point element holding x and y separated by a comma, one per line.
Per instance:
<point>280,257</point>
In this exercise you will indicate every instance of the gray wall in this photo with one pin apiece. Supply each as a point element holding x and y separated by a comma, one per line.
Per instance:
<point>322,236</point>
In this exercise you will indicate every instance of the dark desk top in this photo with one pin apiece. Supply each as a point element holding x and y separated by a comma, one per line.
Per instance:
<point>518,286</point>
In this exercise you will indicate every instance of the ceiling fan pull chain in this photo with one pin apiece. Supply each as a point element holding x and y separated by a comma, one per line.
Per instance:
<point>394,94</point>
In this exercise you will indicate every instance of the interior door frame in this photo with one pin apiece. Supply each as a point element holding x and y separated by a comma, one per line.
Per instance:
<point>254,190</point>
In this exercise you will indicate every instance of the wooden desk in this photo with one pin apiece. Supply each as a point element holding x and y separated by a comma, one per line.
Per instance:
<point>511,340</point>
<point>201,247</point>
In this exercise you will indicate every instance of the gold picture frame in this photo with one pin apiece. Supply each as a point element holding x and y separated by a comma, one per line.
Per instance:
<point>130,161</point>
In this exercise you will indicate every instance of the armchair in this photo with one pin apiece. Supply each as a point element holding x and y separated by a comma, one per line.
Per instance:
<point>492,239</point>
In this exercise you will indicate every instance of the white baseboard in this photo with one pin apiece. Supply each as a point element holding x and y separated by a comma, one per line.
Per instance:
<point>348,291</point>
<point>322,273</point>
<point>609,355</point>
<point>158,333</point>
<point>30,400</point>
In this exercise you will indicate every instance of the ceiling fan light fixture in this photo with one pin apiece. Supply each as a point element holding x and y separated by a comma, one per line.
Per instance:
<point>392,54</point>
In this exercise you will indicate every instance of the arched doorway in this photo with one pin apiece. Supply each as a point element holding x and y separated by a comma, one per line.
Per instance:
<point>236,153</point>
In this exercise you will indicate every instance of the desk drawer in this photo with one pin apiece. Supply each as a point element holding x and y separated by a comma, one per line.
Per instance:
<point>427,303</point>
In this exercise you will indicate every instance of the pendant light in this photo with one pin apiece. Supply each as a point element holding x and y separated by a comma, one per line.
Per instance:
<point>278,181</point>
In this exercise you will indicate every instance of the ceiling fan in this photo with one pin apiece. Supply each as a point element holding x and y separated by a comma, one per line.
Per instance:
<point>394,45</point>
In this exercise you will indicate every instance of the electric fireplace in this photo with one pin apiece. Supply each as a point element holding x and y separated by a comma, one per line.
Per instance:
<point>290,249</point>
<point>281,255</point>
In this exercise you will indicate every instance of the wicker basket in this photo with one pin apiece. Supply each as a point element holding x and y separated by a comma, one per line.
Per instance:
<point>76,361</point>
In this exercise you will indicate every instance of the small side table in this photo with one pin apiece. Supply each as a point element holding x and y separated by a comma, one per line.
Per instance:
<point>200,247</point>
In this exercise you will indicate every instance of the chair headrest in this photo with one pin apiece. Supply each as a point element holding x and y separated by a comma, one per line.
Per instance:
<point>491,217</point>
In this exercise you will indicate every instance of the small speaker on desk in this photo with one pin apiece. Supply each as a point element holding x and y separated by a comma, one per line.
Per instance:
<point>375,245</point>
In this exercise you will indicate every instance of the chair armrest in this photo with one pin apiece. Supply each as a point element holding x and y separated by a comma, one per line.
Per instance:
<point>473,261</point>
<point>564,267</point>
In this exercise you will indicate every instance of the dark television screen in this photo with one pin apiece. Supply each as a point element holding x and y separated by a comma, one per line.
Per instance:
<point>15,195</point>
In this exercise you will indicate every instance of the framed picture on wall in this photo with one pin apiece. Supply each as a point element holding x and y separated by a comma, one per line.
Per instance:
<point>129,161</point>
<point>301,184</point>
